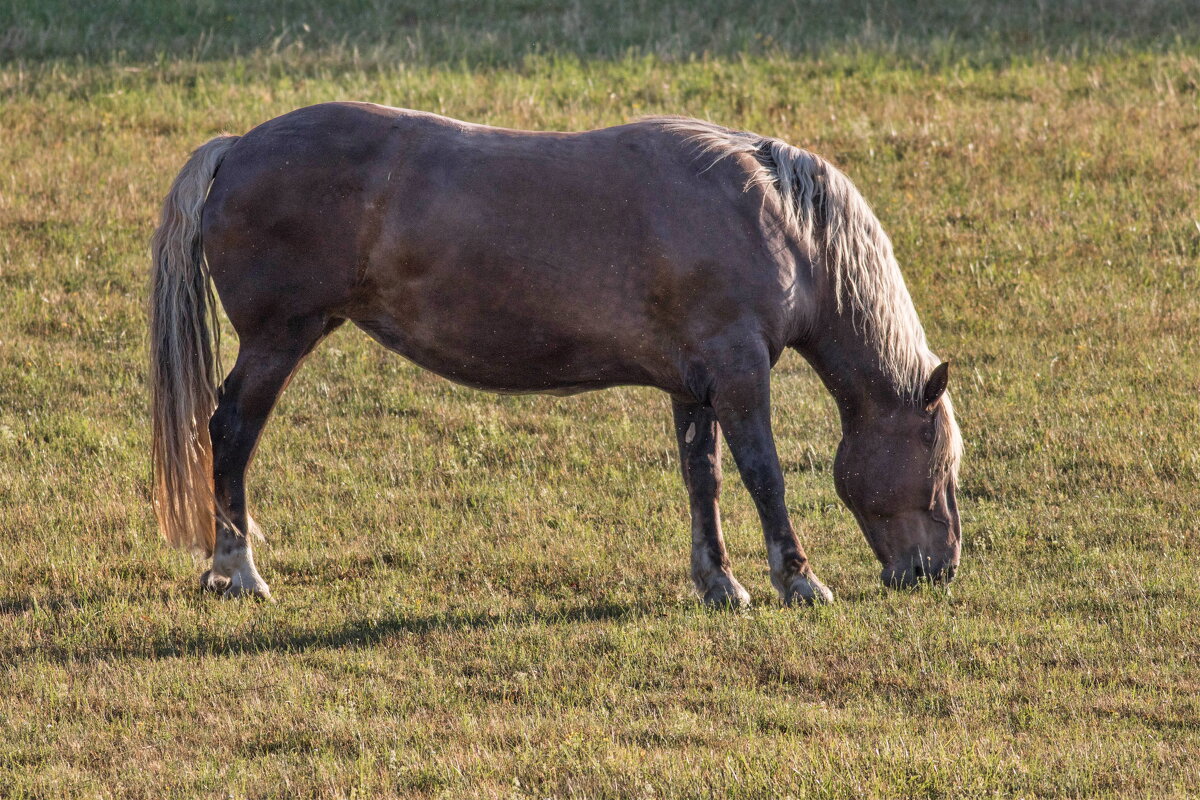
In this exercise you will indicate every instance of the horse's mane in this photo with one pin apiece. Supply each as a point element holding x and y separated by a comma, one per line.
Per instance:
<point>824,210</point>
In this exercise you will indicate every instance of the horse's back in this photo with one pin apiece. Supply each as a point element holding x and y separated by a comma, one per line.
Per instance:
<point>509,259</point>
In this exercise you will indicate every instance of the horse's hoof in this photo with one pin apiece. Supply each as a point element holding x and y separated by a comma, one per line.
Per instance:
<point>727,594</point>
<point>808,590</point>
<point>257,591</point>
<point>213,583</point>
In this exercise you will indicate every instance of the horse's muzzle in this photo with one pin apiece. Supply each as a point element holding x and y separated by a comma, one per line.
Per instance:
<point>911,574</point>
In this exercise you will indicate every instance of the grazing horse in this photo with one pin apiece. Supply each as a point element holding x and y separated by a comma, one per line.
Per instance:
<point>668,252</point>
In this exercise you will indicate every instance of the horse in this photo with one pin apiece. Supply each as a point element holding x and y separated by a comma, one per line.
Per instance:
<point>668,252</point>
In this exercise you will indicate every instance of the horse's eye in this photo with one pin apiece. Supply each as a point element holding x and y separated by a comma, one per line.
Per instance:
<point>927,435</point>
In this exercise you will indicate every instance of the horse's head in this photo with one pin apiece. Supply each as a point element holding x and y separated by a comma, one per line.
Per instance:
<point>897,470</point>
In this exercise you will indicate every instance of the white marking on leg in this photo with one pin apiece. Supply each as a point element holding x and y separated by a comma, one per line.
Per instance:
<point>715,584</point>
<point>793,587</point>
<point>702,561</point>
<point>233,558</point>
<point>775,563</point>
<point>691,434</point>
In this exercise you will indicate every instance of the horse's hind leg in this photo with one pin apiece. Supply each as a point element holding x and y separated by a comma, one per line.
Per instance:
<point>700,459</point>
<point>743,404</point>
<point>264,366</point>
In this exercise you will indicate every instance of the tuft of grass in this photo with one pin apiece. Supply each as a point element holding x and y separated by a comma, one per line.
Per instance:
<point>484,596</point>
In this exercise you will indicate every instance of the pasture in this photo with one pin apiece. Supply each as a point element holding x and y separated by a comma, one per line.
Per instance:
<point>484,596</point>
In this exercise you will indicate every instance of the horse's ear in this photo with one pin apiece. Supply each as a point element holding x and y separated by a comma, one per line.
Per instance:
<point>935,387</point>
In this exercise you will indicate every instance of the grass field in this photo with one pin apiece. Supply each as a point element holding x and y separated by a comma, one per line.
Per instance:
<point>488,597</point>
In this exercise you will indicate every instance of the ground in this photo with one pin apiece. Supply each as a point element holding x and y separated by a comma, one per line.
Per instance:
<point>488,597</point>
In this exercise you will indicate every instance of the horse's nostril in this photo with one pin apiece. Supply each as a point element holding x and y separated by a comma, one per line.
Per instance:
<point>950,570</point>
<point>918,571</point>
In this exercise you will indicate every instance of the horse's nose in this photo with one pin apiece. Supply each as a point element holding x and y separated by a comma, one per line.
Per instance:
<point>900,576</point>
<point>943,574</point>
<point>909,575</point>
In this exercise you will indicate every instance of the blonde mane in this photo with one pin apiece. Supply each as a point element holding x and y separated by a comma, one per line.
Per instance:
<point>826,212</point>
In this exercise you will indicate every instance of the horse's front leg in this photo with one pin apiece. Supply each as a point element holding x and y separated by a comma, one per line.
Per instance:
<point>743,406</point>
<point>700,459</point>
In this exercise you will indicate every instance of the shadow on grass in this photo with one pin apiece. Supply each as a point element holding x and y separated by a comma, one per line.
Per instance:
<point>350,635</point>
<point>13,606</point>
<point>365,633</point>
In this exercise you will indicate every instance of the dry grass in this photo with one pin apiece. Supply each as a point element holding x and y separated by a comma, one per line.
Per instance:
<point>485,596</point>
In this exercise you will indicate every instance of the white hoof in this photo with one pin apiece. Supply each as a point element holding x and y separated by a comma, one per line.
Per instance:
<point>808,590</point>
<point>213,583</point>
<point>253,587</point>
<point>724,592</point>
<point>233,573</point>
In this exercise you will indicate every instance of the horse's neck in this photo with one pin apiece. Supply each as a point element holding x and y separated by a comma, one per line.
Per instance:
<point>850,367</point>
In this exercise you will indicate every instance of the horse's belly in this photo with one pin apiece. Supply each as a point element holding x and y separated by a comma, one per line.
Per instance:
<point>508,355</point>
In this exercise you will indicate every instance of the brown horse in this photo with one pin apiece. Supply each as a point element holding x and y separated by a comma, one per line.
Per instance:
<point>669,252</point>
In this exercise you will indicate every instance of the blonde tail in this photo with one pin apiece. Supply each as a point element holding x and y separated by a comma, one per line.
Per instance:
<point>184,353</point>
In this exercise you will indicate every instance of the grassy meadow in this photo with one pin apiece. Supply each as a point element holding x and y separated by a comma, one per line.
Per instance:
<point>484,596</point>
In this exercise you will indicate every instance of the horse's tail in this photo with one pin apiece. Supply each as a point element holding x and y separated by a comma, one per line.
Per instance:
<point>184,357</point>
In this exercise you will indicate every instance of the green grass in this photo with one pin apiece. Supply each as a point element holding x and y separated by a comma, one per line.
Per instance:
<point>485,596</point>
<point>504,32</point>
